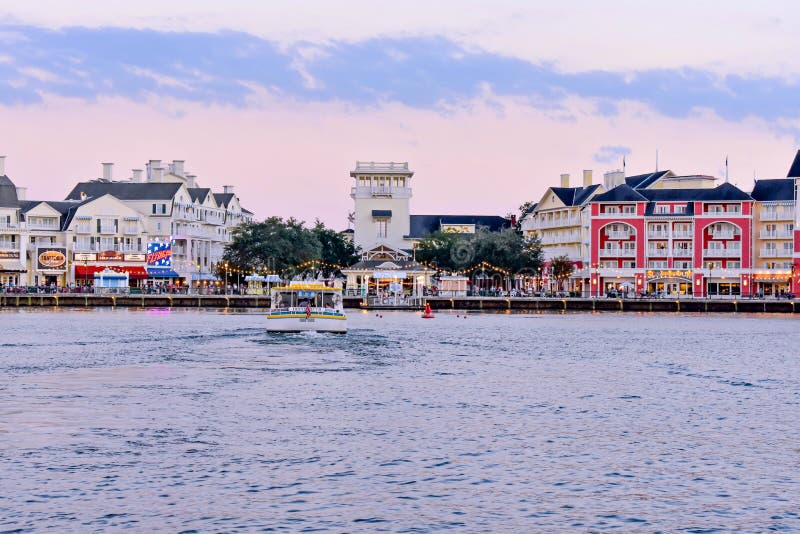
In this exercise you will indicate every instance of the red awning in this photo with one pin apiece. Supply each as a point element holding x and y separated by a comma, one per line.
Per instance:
<point>134,272</point>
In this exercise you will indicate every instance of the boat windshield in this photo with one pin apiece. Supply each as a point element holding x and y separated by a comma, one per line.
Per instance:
<point>301,299</point>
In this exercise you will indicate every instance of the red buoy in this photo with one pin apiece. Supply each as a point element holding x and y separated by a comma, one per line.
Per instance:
<point>427,314</point>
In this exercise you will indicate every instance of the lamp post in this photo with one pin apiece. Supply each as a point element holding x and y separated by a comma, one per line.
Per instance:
<point>85,273</point>
<point>226,278</point>
<point>708,284</point>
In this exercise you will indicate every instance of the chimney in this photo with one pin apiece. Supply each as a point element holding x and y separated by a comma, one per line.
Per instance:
<point>158,174</point>
<point>21,193</point>
<point>587,178</point>
<point>108,171</point>
<point>2,165</point>
<point>137,176</point>
<point>565,180</point>
<point>227,189</point>
<point>612,179</point>
<point>190,180</point>
<point>151,166</point>
<point>177,167</point>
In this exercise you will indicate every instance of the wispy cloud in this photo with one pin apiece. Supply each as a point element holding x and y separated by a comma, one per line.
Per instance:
<point>421,72</point>
<point>610,154</point>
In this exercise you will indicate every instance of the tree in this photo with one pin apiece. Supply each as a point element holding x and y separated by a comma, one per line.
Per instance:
<point>334,249</point>
<point>524,209</point>
<point>561,269</point>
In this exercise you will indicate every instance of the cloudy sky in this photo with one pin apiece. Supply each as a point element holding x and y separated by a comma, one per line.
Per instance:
<point>488,101</point>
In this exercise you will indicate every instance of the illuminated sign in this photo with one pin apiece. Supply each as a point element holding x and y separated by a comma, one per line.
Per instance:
<point>458,228</point>
<point>9,255</point>
<point>669,274</point>
<point>159,254</point>
<point>52,259</point>
<point>109,255</point>
<point>79,256</point>
<point>135,257</point>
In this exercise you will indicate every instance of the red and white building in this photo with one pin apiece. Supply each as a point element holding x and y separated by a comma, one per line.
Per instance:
<point>678,242</point>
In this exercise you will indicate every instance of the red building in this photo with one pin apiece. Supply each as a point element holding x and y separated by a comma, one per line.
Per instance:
<point>679,242</point>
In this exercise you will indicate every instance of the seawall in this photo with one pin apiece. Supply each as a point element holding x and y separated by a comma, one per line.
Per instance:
<point>437,303</point>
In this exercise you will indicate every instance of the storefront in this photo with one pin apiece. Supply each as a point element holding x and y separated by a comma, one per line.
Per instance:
<point>135,274</point>
<point>260,285</point>
<point>724,287</point>
<point>669,283</point>
<point>11,269</point>
<point>108,281</point>
<point>453,286</point>
<point>774,284</point>
<point>51,266</point>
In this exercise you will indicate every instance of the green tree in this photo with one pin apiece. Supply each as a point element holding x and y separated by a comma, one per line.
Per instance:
<point>334,249</point>
<point>561,268</point>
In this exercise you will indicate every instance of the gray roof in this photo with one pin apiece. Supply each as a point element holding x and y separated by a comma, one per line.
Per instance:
<point>621,193</point>
<point>794,170</point>
<point>125,190</point>
<point>642,181</point>
<point>423,225</point>
<point>198,194</point>
<point>772,190</point>
<point>8,193</point>
<point>223,199</point>
<point>723,192</point>
<point>574,196</point>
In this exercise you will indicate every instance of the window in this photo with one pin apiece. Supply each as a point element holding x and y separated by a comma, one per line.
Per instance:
<point>734,265</point>
<point>612,209</point>
<point>680,209</point>
<point>683,264</point>
<point>660,264</point>
<point>628,264</point>
<point>154,209</point>
<point>383,227</point>
<point>163,209</point>
<point>662,209</point>
<point>629,209</point>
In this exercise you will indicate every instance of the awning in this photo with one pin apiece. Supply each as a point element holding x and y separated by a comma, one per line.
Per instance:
<point>162,272</point>
<point>12,268</point>
<point>382,214</point>
<point>134,271</point>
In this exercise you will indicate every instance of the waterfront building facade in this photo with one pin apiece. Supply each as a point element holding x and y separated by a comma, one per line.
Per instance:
<point>105,224</point>
<point>386,232</point>
<point>672,242</point>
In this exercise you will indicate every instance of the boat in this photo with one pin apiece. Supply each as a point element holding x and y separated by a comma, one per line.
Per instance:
<point>306,307</point>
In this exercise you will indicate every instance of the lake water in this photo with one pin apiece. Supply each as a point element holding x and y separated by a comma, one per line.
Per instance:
<point>199,420</point>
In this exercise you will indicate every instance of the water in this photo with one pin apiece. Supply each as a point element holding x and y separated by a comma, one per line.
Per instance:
<point>199,420</point>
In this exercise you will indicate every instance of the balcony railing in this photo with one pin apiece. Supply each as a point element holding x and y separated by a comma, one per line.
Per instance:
<point>776,234</point>
<point>101,247</point>
<point>556,222</point>
<point>557,240</point>
<point>618,234</point>
<point>682,252</point>
<point>8,226</point>
<point>722,252</point>
<point>678,234</point>
<point>722,234</point>
<point>8,245</point>
<point>775,253</point>
<point>617,252</point>
<point>658,252</point>
<point>653,234</point>
<point>776,215</point>
<point>380,190</point>
<point>108,229</point>
<point>43,226</point>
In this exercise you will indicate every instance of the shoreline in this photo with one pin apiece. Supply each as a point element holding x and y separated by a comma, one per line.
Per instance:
<point>496,304</point>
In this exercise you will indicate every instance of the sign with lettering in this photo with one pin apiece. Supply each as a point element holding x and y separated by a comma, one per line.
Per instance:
<point>668,273</point>
<point>159,254</point>
<point>135,257</point>
<point>109,255</point>
<point>9,255</point>
<point>84,256</point>
<point>51,259</point>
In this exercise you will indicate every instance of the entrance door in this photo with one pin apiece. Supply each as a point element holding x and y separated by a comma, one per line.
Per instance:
<point>673,288</point>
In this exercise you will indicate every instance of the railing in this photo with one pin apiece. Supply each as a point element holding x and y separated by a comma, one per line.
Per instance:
<point>381,166</point>
<point>130,230</point>
<point>775,253</point>
<point>618,234</point>
<point>8,245</point>
<point>657,235</point>
<point>682,252</point>
<point>682,235</point>
<point>722,252</point>
<point>100,247</point>
<point>658,252</point>
<point>108,229</point>
<point>722,234</point>
<point>556,222</point>
<point>776,234</point>
<point>380,190</point>
<point>43,226</point>
<point>617,252</point>
<point>554,240</point>
<point>776,216</point>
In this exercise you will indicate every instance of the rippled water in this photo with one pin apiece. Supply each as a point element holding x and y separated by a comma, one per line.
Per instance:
<point>199,420</point>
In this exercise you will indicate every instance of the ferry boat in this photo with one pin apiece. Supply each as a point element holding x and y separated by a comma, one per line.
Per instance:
<point>306,307</point>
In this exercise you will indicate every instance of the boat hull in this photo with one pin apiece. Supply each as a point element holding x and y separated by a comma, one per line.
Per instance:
<point>303,324</point>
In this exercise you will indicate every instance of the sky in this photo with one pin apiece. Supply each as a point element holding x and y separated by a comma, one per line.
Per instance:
<point>489,102</point>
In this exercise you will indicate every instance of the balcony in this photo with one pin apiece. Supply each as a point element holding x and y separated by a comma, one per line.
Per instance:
<point>657,252</point>
<point>678,234</point>
<point>656,234</point>
<point>131,229</point>
<point>722,252</point>
<point>380,191</point>
<point>558,240</point>
<point>618,234</point>
<point>8,225</point>
<point>786,215</point>
<point>556,222</point>
<point>682,252</point>
<point>775,253</point>
<point>6,246</point>
<point>776,234</point>
<point>722,234</point>
<point>52,227</point>
<point>108,229</point>
<point>617,252</point>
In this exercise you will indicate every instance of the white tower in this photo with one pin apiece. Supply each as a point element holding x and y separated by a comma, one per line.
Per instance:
<point>382,195</point>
